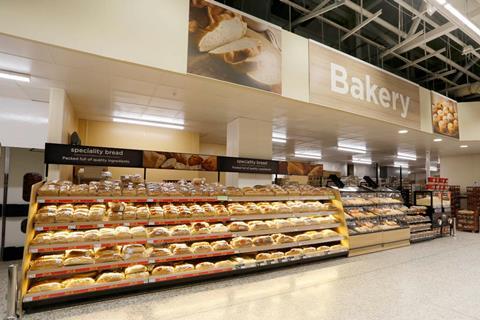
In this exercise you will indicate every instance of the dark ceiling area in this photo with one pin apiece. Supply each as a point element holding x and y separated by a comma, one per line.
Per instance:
<point>406,37</point>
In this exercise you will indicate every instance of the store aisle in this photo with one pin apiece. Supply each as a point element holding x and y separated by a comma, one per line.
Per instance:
<point>432,280</point>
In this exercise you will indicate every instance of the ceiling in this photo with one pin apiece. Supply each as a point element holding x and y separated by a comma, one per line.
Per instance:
<point>416,39</point>
<point>100,88</point>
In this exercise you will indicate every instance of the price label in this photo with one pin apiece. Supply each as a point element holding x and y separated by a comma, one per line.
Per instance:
<point>33,250</point>
<point>150,200</point>
<point>71,226</point>
<point>101,225</point>
<point>38,228</point>
<point>100,200</point>
<point>126,224</point>
<point>97,245</point>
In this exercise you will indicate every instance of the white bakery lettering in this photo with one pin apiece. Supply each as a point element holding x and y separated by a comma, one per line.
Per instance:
<point>366,90</point>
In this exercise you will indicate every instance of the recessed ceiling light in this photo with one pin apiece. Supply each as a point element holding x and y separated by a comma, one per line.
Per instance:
<point>437,139</point>
<point>149,123</point>
<point>350,148</point>
<point>362,161</point>
<point>403,131</point>
<point>308,155</point>
<point>433,168</point>
<point>400,164</point>
<point>464,146</point>
<point>14,76</point>
<point>406,156</point>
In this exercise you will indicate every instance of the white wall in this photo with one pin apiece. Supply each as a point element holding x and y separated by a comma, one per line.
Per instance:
<point>461,170</point>
<point>147,32</point>
<point>468,117</point>
<point>23,123</point>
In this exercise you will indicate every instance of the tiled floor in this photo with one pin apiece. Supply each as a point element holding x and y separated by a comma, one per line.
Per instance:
<point>432,280</point>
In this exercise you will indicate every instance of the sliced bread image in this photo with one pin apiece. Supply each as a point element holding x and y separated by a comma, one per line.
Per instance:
<point>268,64</point>
<point>239,50</point>
<point>226,30</point>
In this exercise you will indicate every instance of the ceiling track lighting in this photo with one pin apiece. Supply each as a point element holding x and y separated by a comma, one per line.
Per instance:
<point>400,165</point>
<point>351,149</point>
<point>308,156</point>
<point>359,161</point>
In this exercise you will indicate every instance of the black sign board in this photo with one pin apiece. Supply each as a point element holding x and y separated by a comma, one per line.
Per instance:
<point>92,156</point>
<point>246,165</point>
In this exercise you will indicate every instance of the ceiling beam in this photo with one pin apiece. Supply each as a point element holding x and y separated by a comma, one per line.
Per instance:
<point>361,25</point>
<point>402,34</point>
<point>439,75</point>
<point>468,65</point>
<point>416,22</point>
<point>426,57</point>
<point>316,12</point>
<point>401,44</point>
<point>429,36</point>
<point>367,40</point>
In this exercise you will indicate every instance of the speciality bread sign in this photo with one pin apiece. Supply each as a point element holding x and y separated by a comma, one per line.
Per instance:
<point>93,156</point>
<point>229,45</point>
<point>342,82</point>
<point>444,115</point>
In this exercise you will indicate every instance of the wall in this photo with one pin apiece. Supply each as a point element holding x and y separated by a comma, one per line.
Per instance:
<point>110,134</point>
<point>468,116</point>
<point>23,123</point>
<point>148,32</point>
<point>461,170</point>
<point>426,110</point>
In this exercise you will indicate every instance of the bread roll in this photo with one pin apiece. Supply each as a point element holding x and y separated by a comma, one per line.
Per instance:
<point>309,250</point>
<point>224,264</point>
<point>277,255</point>
<point>221,245</point>
<point>241,242</point>
<point>162,270</point>
<point>302,237</point>
<point>263,241</point>
<point>323,248</point>
<point>238,226</point>
<point>258,225</point>
<point>180,249</point>
<point>263,256</point>
<point>184,267</point>
<point>218,228</point>
<point>293,252</point>
<point>284,239</point>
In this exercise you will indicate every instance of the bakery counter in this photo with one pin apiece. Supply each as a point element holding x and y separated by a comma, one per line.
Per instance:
<point>379,241</point>
<point>48,248</point>
<point>154,222</point>
<point>67,270</point>
<point>34,301</point>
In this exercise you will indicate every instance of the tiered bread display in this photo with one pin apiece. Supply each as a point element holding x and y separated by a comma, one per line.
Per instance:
<point>88,239</point>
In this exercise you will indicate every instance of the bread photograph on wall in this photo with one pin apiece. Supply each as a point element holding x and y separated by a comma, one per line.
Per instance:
<point>444,115</point>
<point>228,45</point>
<point>296,168</point>
<point>179,161</point>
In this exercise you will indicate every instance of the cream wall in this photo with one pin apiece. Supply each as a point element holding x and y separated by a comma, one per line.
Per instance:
<point>468,116</point>
<point>110,134</point>
<point>295,67</point>
<point>426,110</point>
<point>461,170</point>
<point>147,32</point>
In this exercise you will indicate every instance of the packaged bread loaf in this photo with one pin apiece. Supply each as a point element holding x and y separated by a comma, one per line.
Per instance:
<point>64,213</point>
<point>142,212</point>
<point>180,249</point>
<point>78,282</point>
<point>282,238</point>
<point>46,214</point>
<point>184,267</point>
<point>201,247</point>
<point>309,250</point>
<point>241,242</point>
<point>293,252</point>
<point>60,237</point>
<point>258,225</point>
<point>180,230</point>
<point>238,226</point>
<point>158,252</point>
<point>110,277</point>
<point>46,286</point>
<point>323,248</point>
<point>263,241</point>
<point>114,215</point>
<point>218,228</point>
<point>162,270</point>
<point>302,237</point>
<point>221,245</point>
<point>200,228</point>
<point>158,232</point>
<point>122,232</point>
<point>202,266</point>
<point>130,213</point>
<point>237,209</point>
<point>49,189</point>
<point>263,256</point>
<point>221,210</point>
<point>209,210</point>
<point>91,235</point>
<point>277,255</point>
<point>138,232</point>
<point>106,233</point>
<point>109,254</point>
<point>156,212</point>
<point>224,264</point>
<point>47,262</point>
<point>42,238</point>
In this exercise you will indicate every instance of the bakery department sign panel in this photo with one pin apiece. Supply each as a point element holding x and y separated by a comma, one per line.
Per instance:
<point>229,45</point>
<point>344,83</point>
<point>444,115</point>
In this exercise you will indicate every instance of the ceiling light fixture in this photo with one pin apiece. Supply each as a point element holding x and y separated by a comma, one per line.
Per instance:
<point>14,76</point>
<point>308,155</point>
<point>406,156</point>
<point>362,161</point>
<point>149,123</point>
<point>279,158</point>
<point>437,140</point>
<point>462,18</point>
<point>400,164</point>
<point>464,146</point>
<point>353,149</point>
<point>433,168</point>
<point>279,140</point>
<point>442,2</point>
<point>403,131</point>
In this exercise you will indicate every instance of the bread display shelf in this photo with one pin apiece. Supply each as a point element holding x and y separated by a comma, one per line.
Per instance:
<point>172,199</point>
<point>376,217</point>
<point>372,204</point>
<point>378,231</point>
<point>153,222</point>
<point>415,229</point>
<point>170,279</point>
<point>112,265</point>
<point>158,240</point>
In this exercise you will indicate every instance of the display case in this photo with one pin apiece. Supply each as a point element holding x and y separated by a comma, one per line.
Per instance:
<point>438,205</point>
<point>420,224</point>
<point>93,243</point>
<point>375,220</point>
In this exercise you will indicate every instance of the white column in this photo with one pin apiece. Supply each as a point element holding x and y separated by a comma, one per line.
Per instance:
<point>427,164</point>
<point>250,139</point>
<point>61,122</point>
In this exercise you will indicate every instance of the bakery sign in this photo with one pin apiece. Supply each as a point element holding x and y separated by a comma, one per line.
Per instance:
<point>92,156</point>
<point>245,165</point>
<point>347,84</point>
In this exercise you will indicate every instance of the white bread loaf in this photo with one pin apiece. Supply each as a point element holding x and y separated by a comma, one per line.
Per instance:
<point>226,29</point>
<point>239,50</point>
<point>268,69</point>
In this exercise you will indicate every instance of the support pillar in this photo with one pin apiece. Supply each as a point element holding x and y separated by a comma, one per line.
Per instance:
<point>427,165</point>
<point>250,139</point>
